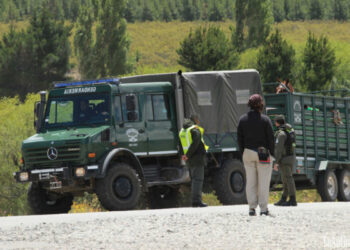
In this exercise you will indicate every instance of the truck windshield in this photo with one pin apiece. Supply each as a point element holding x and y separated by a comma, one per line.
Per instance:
<point>77,110</point>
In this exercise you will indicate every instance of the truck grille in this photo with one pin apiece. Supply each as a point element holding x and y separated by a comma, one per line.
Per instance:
<point>39,156</point>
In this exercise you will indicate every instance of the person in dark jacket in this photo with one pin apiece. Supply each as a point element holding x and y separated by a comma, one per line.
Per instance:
<point>194,149</point>
<point>256,143</point>
<point>284,160</point>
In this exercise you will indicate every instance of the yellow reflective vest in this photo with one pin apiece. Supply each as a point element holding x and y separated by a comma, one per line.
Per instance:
<point>186,137</point>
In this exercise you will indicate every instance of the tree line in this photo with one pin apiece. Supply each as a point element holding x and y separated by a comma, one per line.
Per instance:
<point>184,10</point>
<point>32,58</point>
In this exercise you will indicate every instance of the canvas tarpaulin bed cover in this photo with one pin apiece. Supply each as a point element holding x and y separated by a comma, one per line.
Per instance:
<point>219,97</point>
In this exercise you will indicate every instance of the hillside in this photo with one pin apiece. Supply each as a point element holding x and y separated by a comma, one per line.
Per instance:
<point>155,43</point>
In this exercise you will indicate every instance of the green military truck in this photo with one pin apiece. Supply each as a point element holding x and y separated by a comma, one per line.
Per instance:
<point>118,138</point>
<point>322,130</point>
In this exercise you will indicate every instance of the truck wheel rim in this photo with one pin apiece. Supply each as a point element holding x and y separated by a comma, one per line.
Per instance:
<point>346,185</point>
<point>122,187</point>
<point>237,182</point>
<point>331,186</point>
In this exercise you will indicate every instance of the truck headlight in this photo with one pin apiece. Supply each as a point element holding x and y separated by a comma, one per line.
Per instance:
<point>24,176</point>
<point>80,172</point>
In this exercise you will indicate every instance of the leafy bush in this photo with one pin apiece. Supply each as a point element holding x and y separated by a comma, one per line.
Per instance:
<point>16,125</point>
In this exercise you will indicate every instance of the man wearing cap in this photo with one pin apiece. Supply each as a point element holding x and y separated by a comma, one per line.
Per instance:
<point>194,149</point>
<point>256,143</point>
<point>285,160</point>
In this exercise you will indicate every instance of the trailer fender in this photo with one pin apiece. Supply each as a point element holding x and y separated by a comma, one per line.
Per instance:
<point>322,165</point>
<point>119,153</point>
<point>335,165</point>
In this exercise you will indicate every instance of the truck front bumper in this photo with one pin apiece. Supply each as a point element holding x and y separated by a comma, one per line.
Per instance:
<point>57,174</point>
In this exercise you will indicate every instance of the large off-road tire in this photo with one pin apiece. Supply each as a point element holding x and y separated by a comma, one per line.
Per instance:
<point>120,189</point>
<point>229,183</point>
<point>327,186</point>
<point>344,185</point>
<point>163,197</point>
<point>42,202</point>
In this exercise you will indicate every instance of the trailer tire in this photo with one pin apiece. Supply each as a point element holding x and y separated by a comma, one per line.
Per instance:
<point>327,186</point>
<point>163,197</point>
<point>229,183</point>
<point>344,185</point>
<point>120,189</point>
<point>41,202</point>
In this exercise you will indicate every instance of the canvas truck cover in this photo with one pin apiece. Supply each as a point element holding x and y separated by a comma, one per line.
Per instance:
<point>219,97</point>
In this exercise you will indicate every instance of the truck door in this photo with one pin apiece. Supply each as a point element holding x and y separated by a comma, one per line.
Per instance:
<point>161,124</point>
<point>130,123</point>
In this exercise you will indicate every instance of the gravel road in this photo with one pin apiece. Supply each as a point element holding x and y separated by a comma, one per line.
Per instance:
<point>308,226</point>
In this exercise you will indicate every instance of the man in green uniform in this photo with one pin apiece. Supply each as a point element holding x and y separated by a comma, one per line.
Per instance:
<point>194,149</point>
<point>285,160</point>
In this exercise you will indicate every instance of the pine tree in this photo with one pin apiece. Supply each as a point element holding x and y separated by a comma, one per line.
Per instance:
<point>112,44</point>
<point>147,14</point>
<point>216,12</point>
<point>341,10</point>
<point>259,21</point>
<point>241,9</point>
<point>229,9</point>
<point>30,60</point>
<point>196,9</point>
<point>275,60</point>
<point>130,11</point>
<point>316,10</point>
<point>166,14</point>
<point>83,42</point>
<point>175,15</point>
<point>298,10</point>
<point>319,63</point>
<point>207,49</point>
<point>278,10</point>
<point>287,9</point>
<point>188,11</point>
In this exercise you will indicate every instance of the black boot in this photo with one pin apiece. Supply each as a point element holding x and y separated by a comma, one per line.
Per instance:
<point>281,201</point>
<point>252,212</point>
<point>199,204</point>
<point>290,202</point>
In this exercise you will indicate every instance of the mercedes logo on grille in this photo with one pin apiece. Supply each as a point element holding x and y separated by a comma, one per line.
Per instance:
<point>52,153</point>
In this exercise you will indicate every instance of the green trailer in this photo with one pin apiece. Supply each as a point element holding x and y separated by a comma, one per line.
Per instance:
<point>322,126</point>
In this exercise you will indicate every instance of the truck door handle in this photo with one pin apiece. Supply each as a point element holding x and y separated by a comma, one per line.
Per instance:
<point>141,130</point>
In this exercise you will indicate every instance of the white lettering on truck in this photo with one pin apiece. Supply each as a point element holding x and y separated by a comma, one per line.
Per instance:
<point>79,90</point>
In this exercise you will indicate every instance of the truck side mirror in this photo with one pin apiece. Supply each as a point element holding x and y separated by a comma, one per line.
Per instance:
<point>36,109</point>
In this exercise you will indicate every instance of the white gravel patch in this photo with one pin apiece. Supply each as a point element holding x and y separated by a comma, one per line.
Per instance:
<point>307,226</point>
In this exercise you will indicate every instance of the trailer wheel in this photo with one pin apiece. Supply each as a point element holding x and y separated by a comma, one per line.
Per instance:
<point>163,197</point>
<point>229,183</point>
<point>344,185</point>
<point>120,189</point>
<point>327,186</point>
<point>43,202</point>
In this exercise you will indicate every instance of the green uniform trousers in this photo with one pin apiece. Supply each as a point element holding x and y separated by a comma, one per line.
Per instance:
<point>286,169</point>
<point>196,168</point>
